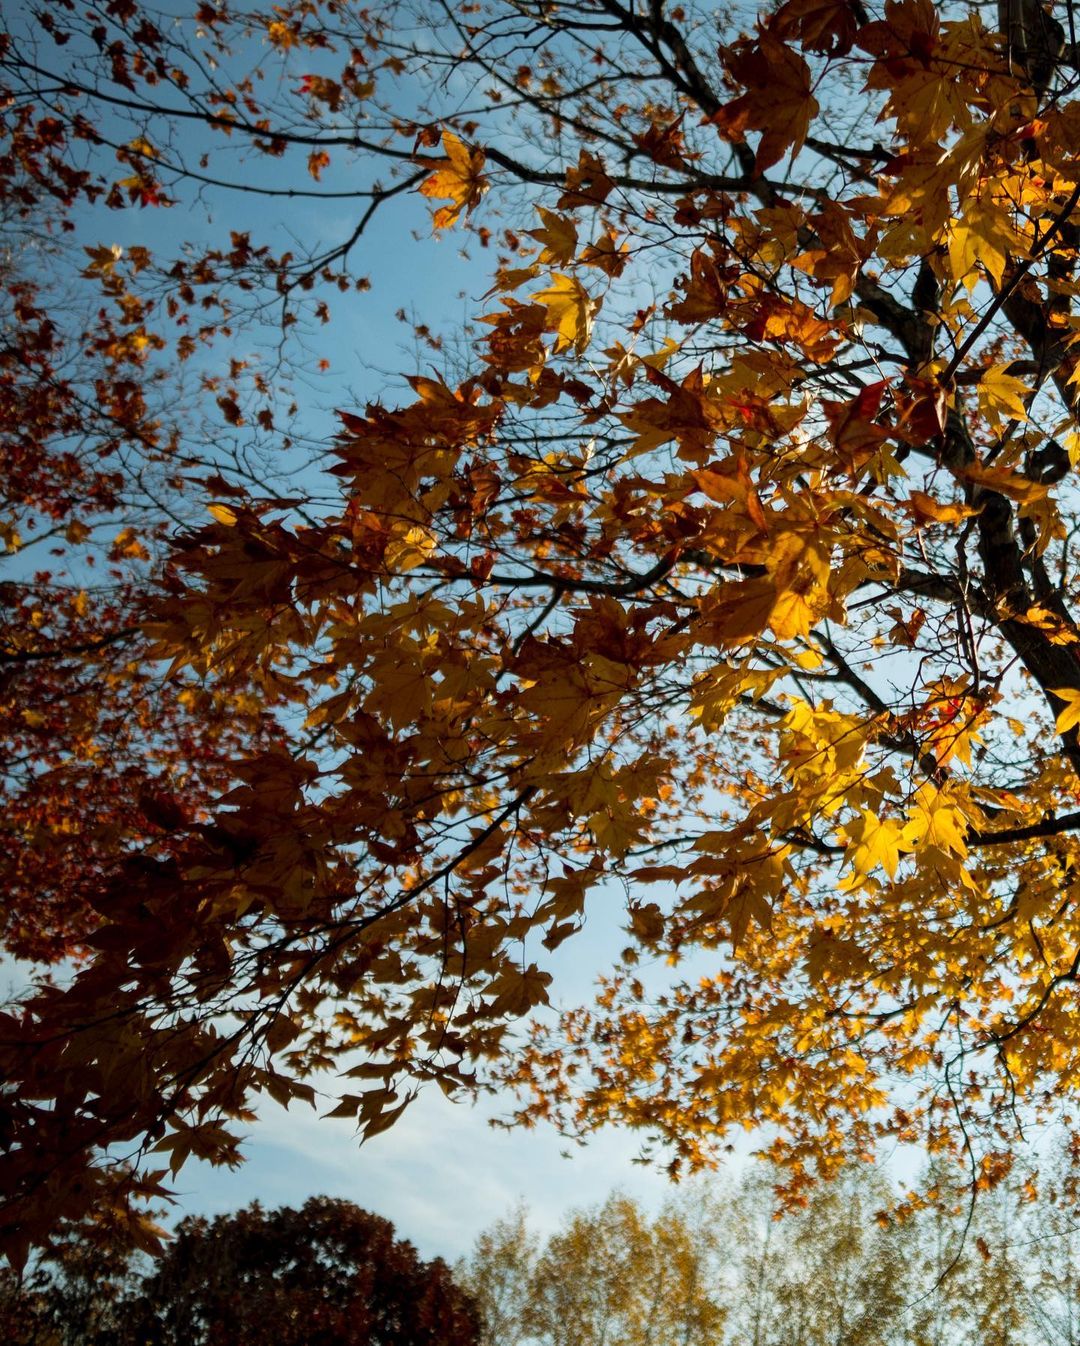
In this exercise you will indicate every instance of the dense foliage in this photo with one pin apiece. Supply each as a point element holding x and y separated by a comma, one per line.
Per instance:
<point>328,1274</point>
<point>729,564</point>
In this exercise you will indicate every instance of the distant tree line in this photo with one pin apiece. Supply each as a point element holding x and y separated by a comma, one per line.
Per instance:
<point>715,1266</point>
<point>858,1266</point>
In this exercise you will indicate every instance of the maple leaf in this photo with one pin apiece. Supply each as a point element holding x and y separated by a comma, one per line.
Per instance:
<point>570,310</point>
<point>925,509</point>
<point>1003,396</point>
<point>558,235</point>
<point>517,992</point>
<point>409,549</point>
<point>1006,482</point>
<point>747,905</point>
<point>875,842</point>
<point>1069,717</point>
<point>778,101</point>
<point>103,260</point>
<point>934,820</point>
<point>1059,631</point>
<point>739,611</point>
<point>460,178</point>
<point>985,237</point>
<point>826,26</point>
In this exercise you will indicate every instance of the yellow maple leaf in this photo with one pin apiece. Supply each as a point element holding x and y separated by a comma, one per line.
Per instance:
<point>1070,716</point>
<point>1058,631</point>
<point>925,509</point>
<point>409,549</point>
<point>558,236</point>
<point>570,310</point>
<point>986,236</point>
<point>876,842</point>
<point>459,177</point>
<point>935,821</point>
<point>1001,395</point>
<point>795,613</point>
<point>1006,482</point>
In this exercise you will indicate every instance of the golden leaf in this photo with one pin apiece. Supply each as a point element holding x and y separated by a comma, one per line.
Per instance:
<point>1001,395</point>
<point>570,311</point>
<point>876,842</point>
<point>558,236</point>
<point>925,509</point>
<point>1068,718</point>
<point>460,178</point>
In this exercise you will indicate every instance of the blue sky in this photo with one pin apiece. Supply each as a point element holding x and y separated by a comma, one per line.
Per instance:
<point>441,1174</point>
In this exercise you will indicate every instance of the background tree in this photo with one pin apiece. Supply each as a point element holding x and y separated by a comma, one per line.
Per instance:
<point>328,1274</point>
<point>612,1274</point>
<point>841,1269</point>
<point>633,1281</point>
<point>1051,1240</point>
<point>831,1273</point>
<point>739,562</point>
<point>497,1277</point>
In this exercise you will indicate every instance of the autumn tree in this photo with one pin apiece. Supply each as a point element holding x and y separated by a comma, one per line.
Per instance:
<point>632,1281</point>
<point>100,443</point>
<point>325,1274</point>
<point>838,1271</point>
<point>714,1266</point>
<point>733,572</point>
<point>738,1269</point>
<point>612,1274</point>
<point>498,1274</point>
<point>328,1274</point>
<point>1050,1245</point>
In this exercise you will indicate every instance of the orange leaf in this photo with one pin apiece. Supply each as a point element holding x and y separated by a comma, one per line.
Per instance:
<point>925,509</point>
<point>459,178</point>
<point>777,101</point>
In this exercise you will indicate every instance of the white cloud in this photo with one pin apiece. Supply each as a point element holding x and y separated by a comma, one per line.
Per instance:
<point>441,1174</point>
